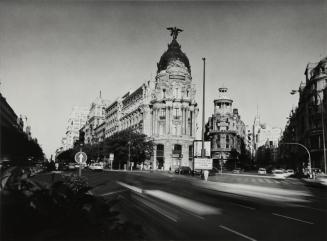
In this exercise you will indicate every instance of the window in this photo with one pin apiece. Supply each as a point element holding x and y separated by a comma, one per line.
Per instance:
<point>177,150</point>
<point>176,113</point>
<point>162,114</point>
<point>190,152</point>
<point>160,150</point>
<point>164,93</point>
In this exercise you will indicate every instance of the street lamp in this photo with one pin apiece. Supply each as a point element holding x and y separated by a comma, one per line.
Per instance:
<point>203,106</point>
<point>323,127</point>
<point>299,144</point>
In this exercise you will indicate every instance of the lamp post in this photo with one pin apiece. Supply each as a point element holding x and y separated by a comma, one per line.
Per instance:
<point>203,106</point>
<point>323,128</point>
<point>307,150</point>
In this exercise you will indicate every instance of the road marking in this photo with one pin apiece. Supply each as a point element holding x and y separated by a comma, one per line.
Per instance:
<point>157,209</point>
<point>261,180</point>
<point>299,220</point>
<point>243,206</point>
<point>185,203</point>
<point>316,209</point>
<point>136,189</point>
<point>110,193</point>
<point>235,232</point>
<point>268,180</point>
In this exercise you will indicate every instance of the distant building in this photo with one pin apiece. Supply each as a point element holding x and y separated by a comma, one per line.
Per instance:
<point>94,118</point>
<point>225,129</point>
<point>264,134</point>
<point>76,120</point>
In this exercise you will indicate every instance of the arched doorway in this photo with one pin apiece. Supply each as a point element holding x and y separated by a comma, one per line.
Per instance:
<point>160,155</point>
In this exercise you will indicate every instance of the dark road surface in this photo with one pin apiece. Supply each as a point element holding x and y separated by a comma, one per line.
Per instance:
<point>173,207</point>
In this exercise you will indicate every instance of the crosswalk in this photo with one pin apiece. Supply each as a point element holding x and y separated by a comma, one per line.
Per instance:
<point>255,180</point>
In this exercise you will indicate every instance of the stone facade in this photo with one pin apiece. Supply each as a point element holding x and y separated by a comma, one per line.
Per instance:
<point>164,109</point>
<point>225,129</point>
<point>76,120</point>
<point>306,122</point>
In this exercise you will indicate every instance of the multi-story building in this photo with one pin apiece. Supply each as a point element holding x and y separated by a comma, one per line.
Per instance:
<point>76,120</point>
<point>225,129</point>
<point>306,122</point>
<point>95,118</point>
<point>15,135</point>
<point>164,109</point>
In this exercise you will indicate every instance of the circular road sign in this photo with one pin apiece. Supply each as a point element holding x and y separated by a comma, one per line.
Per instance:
<point>80,157</point>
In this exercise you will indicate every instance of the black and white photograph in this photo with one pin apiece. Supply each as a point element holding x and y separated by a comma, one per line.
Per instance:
<point>163,120</point>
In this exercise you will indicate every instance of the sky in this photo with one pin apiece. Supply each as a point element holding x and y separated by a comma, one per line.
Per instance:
<point>55,55</point>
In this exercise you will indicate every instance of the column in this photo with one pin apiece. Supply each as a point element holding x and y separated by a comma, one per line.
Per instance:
<point>187,131</point>
<point>183,116</point>
<point>167,121</point>
<point>171,120</point>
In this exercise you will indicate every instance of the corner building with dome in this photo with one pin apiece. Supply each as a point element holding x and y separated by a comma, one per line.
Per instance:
<point>164,109</point>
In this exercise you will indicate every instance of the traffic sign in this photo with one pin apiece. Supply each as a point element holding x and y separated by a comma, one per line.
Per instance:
<point>111,156</point>
<point>80,157</point>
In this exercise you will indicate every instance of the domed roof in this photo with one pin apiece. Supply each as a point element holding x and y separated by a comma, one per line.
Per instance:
<point>173,52</point>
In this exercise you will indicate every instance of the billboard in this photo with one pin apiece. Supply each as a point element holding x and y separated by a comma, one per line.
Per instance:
<point>202,163</point>
<point>198,147</point>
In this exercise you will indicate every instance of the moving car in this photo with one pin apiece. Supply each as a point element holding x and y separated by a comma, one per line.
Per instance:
<point>322,179</point>
<point>262,171</point>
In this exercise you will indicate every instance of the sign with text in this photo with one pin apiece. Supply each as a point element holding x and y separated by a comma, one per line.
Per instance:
<point>198,147</point>
<point>202,163</point>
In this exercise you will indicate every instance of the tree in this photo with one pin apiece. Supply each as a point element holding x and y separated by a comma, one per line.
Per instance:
<point>126,142</point>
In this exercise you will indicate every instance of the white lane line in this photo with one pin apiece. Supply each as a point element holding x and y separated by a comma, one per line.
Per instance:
<point>110,193</point>
<point>185,203</point>
<point>235,232</point>
<point>243,206</point>
<point>316,209</point>
<point>299,220</point>
<point>157,209</point>
<point>136,189</point>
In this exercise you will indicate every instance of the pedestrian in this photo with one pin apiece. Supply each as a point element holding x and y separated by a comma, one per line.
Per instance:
<point>206,174</point>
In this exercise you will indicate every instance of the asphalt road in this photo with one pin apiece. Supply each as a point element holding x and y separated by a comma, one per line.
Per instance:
<point>173,207</point>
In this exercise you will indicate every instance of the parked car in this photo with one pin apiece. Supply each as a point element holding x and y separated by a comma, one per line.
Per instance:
<point>183,170</point>
<point>197,172</point>
<point>262,171</point>
<point>213,171</point>
<point>72,166</point>
<point>279,174</point>
<point>96,166</point>
<point>237,171</point>
<point>289,172</point>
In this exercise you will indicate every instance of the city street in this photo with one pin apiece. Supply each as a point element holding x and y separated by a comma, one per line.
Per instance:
<point>171,207</point>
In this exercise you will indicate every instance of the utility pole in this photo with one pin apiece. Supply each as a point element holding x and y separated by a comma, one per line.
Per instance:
<point>203,106</point>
